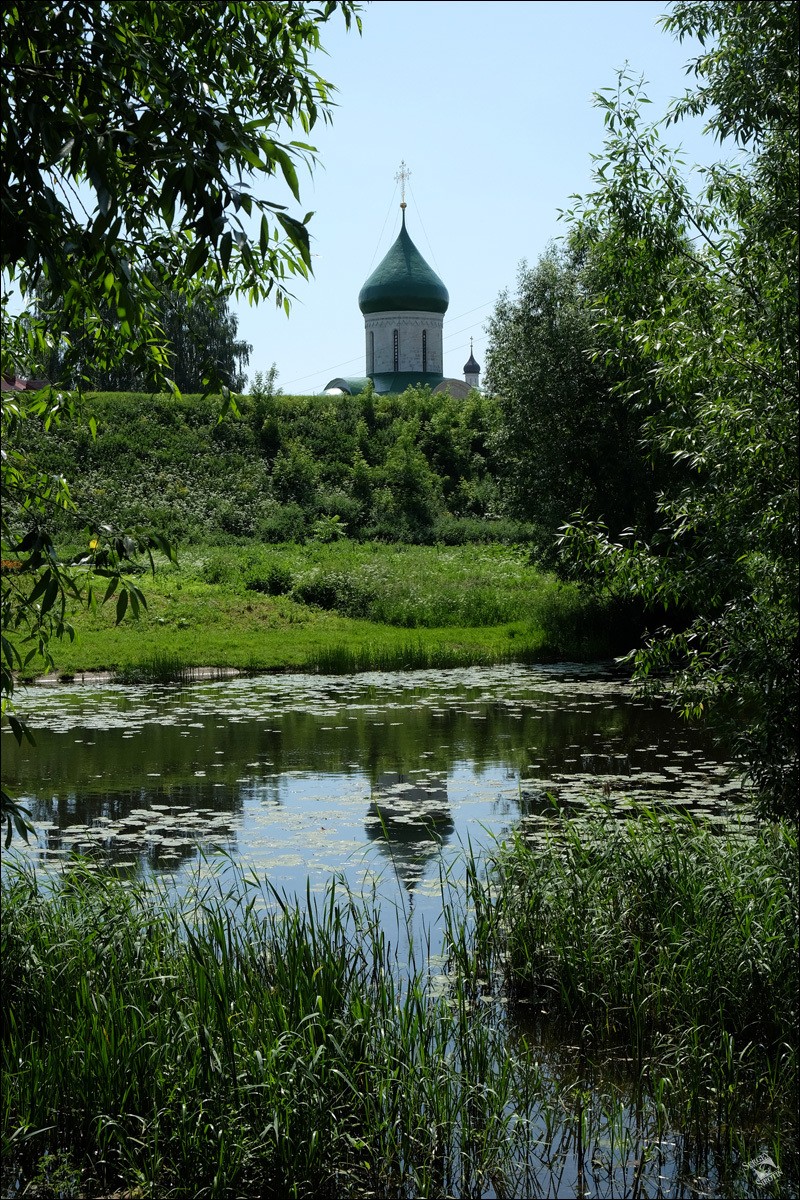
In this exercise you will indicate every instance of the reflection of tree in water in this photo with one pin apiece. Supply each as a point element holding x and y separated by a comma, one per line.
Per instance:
<point>409,819</point>
<point>155,827</point>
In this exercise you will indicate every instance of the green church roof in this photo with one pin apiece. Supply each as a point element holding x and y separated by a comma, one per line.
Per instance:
<point>396,382</point>
<point>403,281</point>
<point>351,385</point>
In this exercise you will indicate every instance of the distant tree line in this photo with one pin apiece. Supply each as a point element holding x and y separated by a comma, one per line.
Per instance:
<point>198,331</point>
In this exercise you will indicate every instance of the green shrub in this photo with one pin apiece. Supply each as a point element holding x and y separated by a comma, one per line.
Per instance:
<point>350,595</point>
<point>462,531</point>
<point>277,581</point>
<point>329,528</point>
<point>220,569</point>
<point>281,523</point>
<point>576,624</point>
<point>336,502</point>
<point>389,467</point>
<point>235,519</point>
<point>295,475</point>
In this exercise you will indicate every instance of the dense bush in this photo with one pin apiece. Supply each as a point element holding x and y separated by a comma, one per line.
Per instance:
<point>349,594</point>
<point>414,468</point>
<point>485,586</point>
<point>277,580</point>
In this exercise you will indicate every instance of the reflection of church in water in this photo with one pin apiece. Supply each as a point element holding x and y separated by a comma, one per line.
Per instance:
<point>409,818</point>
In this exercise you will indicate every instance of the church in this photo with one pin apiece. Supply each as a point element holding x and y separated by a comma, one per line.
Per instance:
<point>404,302</point>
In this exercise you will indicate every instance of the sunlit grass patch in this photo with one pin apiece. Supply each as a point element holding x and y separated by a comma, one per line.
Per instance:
<point>342,606</point>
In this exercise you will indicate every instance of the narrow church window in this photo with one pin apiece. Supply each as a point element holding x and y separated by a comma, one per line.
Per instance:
<point>396,351</point>
<point>424,351</point>
<point>371,351</point>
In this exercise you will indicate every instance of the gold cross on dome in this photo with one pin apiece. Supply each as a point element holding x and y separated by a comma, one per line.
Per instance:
<point>401,177</point>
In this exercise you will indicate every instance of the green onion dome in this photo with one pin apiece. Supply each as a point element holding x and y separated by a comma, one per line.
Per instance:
<point>403,281</point>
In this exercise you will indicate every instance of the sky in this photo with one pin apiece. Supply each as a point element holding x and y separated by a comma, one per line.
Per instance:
<point>490,106</point>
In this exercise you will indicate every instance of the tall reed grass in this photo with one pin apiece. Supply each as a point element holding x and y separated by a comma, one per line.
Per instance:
<point>411,656</point>
<point>246,1046</point>
<point>660,936</point>
<point>158,667</point>
<point>239,1043</point>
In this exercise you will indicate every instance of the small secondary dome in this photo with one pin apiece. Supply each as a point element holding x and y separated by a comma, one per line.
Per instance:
<point>403,282</point>
<point>470,366</point>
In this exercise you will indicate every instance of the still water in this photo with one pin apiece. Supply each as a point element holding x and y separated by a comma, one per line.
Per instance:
<point>376,776</point>
<point>383,779</point>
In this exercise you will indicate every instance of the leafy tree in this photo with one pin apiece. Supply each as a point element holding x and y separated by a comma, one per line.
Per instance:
<point>137,138</point>
<point>200,334</point>
<point>37,585</point>
<point>411,498</point>
<point>697,309</point>
<point>137,142</point>
<point>456,439</point>
<point>203,344</point>
<point>565,440</point>
<point>295,474</point>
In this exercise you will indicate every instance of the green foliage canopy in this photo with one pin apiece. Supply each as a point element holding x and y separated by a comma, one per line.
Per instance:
<point>137,139</point>
<point>565,440</point>
<point>696,304</point>
<point>200,337</point>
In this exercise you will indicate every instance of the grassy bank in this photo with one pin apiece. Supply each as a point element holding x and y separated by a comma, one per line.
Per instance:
<point>341,606</point>
<point>243,1044</point>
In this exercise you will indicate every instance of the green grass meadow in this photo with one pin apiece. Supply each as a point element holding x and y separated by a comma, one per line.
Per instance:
<point>339,606</point>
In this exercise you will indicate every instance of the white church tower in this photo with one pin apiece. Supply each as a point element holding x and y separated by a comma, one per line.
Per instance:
<point>403,302</point>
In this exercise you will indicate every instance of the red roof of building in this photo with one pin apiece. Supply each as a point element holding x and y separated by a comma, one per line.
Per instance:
<point>15,383</point>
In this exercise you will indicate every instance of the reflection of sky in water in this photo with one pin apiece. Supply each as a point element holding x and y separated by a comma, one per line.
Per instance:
<point>383,776</point>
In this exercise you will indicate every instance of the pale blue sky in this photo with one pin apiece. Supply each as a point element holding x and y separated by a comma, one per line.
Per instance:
<point>491,107</point>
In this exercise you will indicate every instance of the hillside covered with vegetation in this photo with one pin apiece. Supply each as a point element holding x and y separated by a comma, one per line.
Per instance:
<point>333,532</point>
<point>411,468</point>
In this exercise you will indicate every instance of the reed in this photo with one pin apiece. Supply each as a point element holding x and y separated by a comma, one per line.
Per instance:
<point>158,667</point>
<point>239,1042</point>
<point>410,656</point>
<point>243,1044</point>
<point>679,943</point>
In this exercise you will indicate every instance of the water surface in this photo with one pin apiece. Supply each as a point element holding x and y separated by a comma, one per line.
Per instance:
<point>373,775</point>
<point>383,778</point>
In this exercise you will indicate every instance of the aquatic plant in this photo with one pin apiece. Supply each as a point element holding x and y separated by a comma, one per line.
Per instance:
<point>243,1044</point>
<point>668,937</point>
<point>410,656</point>
<point>157,667</point>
